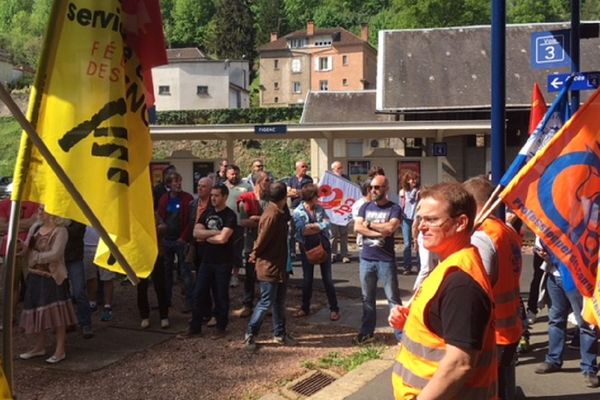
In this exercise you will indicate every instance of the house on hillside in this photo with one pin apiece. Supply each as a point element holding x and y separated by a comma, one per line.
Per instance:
<point>331,59</point>
<point>193,81</point>
<point>9,73</point>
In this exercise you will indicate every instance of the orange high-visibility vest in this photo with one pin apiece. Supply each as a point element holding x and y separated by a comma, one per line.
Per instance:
<point>422,350</point>
<point>509,326</point>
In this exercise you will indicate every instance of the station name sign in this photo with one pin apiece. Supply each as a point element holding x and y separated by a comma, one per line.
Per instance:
<point>270,129</point>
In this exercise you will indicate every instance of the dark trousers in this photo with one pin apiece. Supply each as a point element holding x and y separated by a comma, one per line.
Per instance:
<point>249,284</point>
<point>158,280</point>
<point>506,371</point>
<point>534,287</point>
<point>216,276</point>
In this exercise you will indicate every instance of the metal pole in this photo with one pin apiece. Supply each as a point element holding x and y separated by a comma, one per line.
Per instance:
<point>10,277</point>
<point>575,34</point>
<point>498,91</point>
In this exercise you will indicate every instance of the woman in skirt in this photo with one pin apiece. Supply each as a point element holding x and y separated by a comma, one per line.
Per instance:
<point>47,302</point>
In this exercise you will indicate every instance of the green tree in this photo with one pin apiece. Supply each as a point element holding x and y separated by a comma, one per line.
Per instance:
<point>522,11</point>
<point>298,12</point>
<point>188,24</point>
<point>441,13</point>
<point>269,16</point>
<point>232,31</point>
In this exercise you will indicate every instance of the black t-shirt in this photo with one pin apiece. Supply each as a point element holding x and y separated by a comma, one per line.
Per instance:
<point>460,311</point>
<point>216,221</point>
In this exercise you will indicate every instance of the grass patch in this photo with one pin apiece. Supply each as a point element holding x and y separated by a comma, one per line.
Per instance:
<point>346,363</point>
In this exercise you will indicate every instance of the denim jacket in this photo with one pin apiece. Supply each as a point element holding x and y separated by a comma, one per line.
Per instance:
<point>301,219</point>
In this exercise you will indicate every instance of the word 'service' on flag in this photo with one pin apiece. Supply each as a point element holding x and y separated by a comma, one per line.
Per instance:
<point>91,112</point>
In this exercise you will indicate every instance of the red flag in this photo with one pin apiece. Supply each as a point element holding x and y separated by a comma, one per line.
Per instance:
<point>538,108</point>
<point>144,30</point>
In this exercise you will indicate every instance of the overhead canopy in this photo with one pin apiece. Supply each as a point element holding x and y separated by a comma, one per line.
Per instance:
<point>450,68</point>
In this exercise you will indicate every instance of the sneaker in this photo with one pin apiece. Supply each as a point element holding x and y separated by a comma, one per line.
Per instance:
<point>531,317</point>
<point>145,323</point>
<point>212,322</point>
<point>591,380</point>
<point>106,314</point>
<point>87,331</point>
<point>243,312</point>
<point>361,339</point>
<point>345,260</point>
<point>285,340</point>
<point>164,323</point>
<point>234,282</point>
<point>547,368</point>
<point>250,343</point>
<point>524,346</point>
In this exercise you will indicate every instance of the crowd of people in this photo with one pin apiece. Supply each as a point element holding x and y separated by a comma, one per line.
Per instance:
<point>460,332</point>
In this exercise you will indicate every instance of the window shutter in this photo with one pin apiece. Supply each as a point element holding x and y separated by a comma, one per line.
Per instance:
<point>329,63</point>
<point>317,64</point>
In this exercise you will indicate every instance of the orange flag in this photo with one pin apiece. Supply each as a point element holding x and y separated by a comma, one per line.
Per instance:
<point>538,108</point>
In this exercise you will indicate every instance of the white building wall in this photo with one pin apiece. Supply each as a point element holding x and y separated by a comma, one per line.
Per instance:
<point>184,78</point>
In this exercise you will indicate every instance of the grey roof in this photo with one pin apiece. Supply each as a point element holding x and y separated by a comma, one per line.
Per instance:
<point>351,106</point>
<point>450,68</point>
<point>341,37</point>
<point>185,54</point>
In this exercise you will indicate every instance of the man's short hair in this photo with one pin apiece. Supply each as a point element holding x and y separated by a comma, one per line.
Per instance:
<point>168,169</point>
<point>376,170</point>
<point>277,191</point>
<point>458,199</point>
<point>234,167</point>
<point>309,192</point>
<point>364,188</point>
<point>480,188</point>
<point>172,176</point>
<point>222,187</point>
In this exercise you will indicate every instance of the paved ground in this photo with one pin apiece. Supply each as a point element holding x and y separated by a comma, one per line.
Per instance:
<point>372,381</point>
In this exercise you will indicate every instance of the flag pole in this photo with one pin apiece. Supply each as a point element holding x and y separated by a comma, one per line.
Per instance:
<point>490,200</point>
<point>66,181</point>
<point>10,273</point>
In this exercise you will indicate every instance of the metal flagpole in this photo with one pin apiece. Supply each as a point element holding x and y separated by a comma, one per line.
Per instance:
<point>575,35</point>
<point>498,92</point>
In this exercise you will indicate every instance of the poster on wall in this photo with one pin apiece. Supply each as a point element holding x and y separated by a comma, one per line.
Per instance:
<point>156,171</point>
<point>404,166</point>
<point>200,170</point>
<point>358,171</point>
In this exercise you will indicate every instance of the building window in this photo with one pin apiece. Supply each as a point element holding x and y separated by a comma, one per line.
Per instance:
<point>164,90</point>
<point>276,85</point>
<point>202,90</point>
<point>323,85</point>
<point>344,82</point>
<point>345,60</point>
<point>297,43</point>
<point>297,87</point>
<point>276,100</point>
<point>275,64</point>
<point>296,65</point>
<point>324,63</point>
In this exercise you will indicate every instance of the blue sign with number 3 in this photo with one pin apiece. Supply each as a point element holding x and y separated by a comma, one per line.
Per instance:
<point>551,49</point>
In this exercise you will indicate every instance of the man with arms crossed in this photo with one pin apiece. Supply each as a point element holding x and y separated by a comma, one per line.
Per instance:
<point>377,222</point>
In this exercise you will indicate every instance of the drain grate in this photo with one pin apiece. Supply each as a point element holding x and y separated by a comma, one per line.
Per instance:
<point>312,384</point>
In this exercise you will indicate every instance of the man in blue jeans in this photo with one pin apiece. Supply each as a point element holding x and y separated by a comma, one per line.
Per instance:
<point>564,297</point>
<point>74,262</point>
<point>377,222</point>
<point>270,258</point>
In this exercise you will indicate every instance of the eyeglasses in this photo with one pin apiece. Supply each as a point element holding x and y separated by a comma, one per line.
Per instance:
<point>432,222</point>
<point>376,187</point>
<point>304,166</point>
<point>258,166</point>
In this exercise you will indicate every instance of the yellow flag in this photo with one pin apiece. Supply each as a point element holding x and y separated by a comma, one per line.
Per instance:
<point>4,388</point>
<point>90,110</point>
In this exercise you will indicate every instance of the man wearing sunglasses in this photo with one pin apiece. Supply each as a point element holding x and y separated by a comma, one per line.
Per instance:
<point>448,345</point>
<point>377,222</point>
